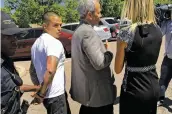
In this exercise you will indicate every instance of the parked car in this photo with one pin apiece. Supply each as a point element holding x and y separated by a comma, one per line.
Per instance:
<point>124,23</point>
<point>102,31</point>
<point>112,24</point>
<point>26,39</point>
<point>109,21</point>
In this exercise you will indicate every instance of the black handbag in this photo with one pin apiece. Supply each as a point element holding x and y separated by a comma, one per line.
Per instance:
<point>13,104</point>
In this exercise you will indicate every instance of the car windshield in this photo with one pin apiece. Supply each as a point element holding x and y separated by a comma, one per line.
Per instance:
<point>100,24</point>
<point>111,21</point>
<point>71,27</point>
<point>21,35</point>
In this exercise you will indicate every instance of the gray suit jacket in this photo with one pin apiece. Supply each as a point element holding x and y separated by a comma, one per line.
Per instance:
<point>92,78</point>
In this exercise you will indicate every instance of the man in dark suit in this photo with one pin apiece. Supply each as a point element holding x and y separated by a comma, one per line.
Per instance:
<point>92,78</point>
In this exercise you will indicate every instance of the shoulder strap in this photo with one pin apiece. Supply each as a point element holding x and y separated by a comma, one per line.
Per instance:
<point>17,80</point>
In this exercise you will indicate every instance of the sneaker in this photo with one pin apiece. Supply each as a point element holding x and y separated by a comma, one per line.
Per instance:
<point>160,103</point>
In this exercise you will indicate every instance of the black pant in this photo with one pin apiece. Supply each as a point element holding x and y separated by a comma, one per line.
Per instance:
<point>166,74</point>
<point>57,105</point>
<point>96,110</point>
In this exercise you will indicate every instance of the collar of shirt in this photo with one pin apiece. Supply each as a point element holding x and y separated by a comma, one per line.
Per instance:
<point>82,21</point>
<point>48,35</point>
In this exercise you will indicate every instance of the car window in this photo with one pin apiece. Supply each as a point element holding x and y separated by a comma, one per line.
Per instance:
<point>22,35</point>
<point>38,33</point>
<point>29,35</point>
<point>74,27</point>
<point>68,27</point>
<point>100,23</point>
<point>111,21</point>
<point>125,22</point>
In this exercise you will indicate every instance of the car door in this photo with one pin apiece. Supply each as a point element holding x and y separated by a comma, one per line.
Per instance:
<point>65,38</point>
<point>68,27</point>
<point>30,41</point>
<point>74,27</point>
<point>24,44</point>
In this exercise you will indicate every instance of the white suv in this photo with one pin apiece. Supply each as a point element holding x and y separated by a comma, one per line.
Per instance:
<point>102,31</point>
<point>111,23</point>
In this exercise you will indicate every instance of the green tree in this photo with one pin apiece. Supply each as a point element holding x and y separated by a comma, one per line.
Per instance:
<point>71,11</point>
<point>6,10</point>
<point>162,1</point>
<point>111,8</point>
<point>12,4</point>
<point>59,10</point>
<point>26,12</point>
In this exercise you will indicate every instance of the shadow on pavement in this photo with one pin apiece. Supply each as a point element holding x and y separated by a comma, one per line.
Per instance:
<point>28,59</point>
<point>167,104</point>
<point>21,59</point>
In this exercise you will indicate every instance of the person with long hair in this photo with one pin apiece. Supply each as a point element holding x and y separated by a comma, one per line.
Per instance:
<point>138,47</point>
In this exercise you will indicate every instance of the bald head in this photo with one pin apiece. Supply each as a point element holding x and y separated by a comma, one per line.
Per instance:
<point>47,16</point>
<point>52,24</point>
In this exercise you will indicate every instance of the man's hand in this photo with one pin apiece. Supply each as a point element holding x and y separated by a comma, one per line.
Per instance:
<point>37,100</point>
<point>106,44</point>
<point>37,89</point>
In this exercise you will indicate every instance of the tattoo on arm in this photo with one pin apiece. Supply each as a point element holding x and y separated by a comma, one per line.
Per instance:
<point>52,63</point>
<point>47,80</point>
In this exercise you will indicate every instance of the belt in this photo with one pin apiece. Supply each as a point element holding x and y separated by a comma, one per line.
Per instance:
<point>141,69</point>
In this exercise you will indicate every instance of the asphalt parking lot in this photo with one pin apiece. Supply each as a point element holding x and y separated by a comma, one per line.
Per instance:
<point>23,67</point>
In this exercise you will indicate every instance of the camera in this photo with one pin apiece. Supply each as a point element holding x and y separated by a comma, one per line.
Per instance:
<point>163,12</point>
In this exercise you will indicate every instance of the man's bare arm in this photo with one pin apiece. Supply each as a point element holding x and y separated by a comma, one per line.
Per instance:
<point>29,88</point>
<point>52,63</point>
<point>33,74</point>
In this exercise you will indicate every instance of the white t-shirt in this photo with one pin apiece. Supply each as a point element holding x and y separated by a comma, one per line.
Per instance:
<point>45,46</point>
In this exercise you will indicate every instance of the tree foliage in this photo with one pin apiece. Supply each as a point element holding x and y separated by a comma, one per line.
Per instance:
<point>111,8</point>
<point>25,12</point>
<point>71,11</point>
<point>163,1</point>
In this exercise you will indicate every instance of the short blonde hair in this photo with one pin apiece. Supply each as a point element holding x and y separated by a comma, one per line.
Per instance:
<point>139,11</point>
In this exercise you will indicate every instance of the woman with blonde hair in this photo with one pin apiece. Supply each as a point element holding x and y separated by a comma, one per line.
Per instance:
<point>138,47</point>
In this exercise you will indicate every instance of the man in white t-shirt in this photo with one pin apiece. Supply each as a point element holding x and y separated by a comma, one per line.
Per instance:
<point>48,59</point>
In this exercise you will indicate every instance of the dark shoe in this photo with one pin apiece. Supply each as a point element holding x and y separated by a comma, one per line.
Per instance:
<point>160,103</point>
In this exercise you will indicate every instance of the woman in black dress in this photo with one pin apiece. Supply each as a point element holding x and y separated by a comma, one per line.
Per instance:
<point>138,47</point>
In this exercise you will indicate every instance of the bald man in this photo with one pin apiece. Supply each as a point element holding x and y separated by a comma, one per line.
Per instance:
<point>48,59</point>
